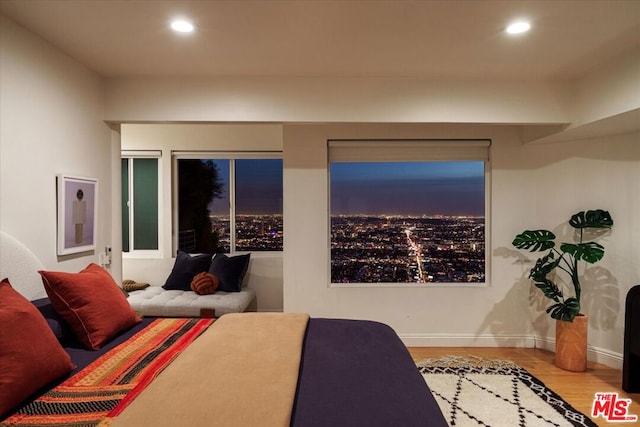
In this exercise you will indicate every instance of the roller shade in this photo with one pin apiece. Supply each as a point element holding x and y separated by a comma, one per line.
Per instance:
<point>408,150</point>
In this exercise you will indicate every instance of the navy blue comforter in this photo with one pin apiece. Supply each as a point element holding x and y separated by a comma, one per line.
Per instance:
<point>359,373</point>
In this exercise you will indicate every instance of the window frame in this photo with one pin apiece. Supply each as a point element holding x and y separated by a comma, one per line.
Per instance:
<point>418,150</point>
<point>217,155</point>
<point>143,154</point>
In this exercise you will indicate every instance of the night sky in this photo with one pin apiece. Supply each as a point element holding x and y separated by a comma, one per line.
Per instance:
<point>394,188</point>
<point>258,187</point>
<point>408,188</point>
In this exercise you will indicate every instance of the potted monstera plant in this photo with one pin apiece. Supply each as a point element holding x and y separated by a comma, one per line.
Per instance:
<point>571,324</point>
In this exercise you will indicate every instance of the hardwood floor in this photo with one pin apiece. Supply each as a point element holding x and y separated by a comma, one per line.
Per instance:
<point>576,388</point>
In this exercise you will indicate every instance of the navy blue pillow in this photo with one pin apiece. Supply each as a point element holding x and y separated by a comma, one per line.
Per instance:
<point>185,269</point>
<point>58,326</point>
<point>230,271</point>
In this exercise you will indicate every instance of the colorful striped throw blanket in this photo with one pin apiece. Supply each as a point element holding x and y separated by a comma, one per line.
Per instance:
<point>102,390</point>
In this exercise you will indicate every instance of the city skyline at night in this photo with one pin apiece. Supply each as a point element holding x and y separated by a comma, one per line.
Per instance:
<point>407,222</point>
<point>402,249</point>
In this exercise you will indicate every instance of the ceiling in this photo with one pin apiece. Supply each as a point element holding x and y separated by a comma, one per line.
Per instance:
<point>452,39</point>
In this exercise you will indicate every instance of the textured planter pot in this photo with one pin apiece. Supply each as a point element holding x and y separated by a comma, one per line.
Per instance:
<point>571,344</point>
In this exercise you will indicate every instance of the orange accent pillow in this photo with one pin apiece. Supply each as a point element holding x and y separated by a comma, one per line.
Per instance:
<point>91,303</point>
<point>32,357</point>
<point>205,283</point>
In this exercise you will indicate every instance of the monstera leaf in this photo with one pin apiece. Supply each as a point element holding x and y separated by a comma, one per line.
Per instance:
<point>543,267</point>
<point>566,310</point>
<point>590,252</point>
<point>591,219</point>
<point>550,289</point>
<point>534,240</point>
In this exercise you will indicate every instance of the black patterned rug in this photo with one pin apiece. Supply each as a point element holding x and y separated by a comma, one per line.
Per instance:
<point>487,392</point>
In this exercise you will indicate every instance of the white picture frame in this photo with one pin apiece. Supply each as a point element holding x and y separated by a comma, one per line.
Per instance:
<point>77,214</point>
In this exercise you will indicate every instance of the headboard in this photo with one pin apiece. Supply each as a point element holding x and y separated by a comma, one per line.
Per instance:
<point>20,266</point>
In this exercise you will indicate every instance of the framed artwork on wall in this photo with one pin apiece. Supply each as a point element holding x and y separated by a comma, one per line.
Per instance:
<point>77,214</point>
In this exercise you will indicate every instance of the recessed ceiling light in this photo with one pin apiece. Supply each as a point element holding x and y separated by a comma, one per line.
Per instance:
<point>182,26</point>
<point>518,27</point>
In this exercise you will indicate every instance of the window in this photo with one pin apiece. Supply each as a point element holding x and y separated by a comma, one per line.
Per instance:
<point>408,211</point>
<point>229,204</point>
<point>140,208</point>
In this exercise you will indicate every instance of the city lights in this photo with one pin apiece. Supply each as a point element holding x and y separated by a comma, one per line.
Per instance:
<point>397,249</point>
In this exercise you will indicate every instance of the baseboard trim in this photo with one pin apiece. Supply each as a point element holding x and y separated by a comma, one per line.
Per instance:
<point>422,340</point>
<point>594,354</point>
<point>606,357</point>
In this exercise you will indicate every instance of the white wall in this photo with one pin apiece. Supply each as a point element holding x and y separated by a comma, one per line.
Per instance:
<point>531,187</point>
<point>594,174</point>
<point>51,112</point>
<point>608,91</point>
<point>432,315</point>
<point>265,273</point>
<point>317,99</point>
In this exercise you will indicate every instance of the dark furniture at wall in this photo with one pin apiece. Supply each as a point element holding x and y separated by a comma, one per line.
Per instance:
<point>631,363</point>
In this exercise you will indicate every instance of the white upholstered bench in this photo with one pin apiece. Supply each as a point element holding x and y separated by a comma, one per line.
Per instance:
<point>156,301</point>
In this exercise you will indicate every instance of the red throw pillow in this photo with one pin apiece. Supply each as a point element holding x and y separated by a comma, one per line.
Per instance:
<point>31,356</point>
<point>205,283</point>
<point>91,303</point>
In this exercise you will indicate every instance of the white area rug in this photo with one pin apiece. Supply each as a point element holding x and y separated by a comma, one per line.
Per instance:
<point>481,392</point>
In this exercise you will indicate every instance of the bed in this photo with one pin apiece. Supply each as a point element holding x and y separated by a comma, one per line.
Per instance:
<point>267,369</point>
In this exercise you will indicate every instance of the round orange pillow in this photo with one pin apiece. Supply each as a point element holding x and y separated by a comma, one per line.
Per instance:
<point>205,283</point>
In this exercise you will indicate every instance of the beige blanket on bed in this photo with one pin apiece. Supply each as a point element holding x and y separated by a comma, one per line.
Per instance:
<point>242,371</point>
